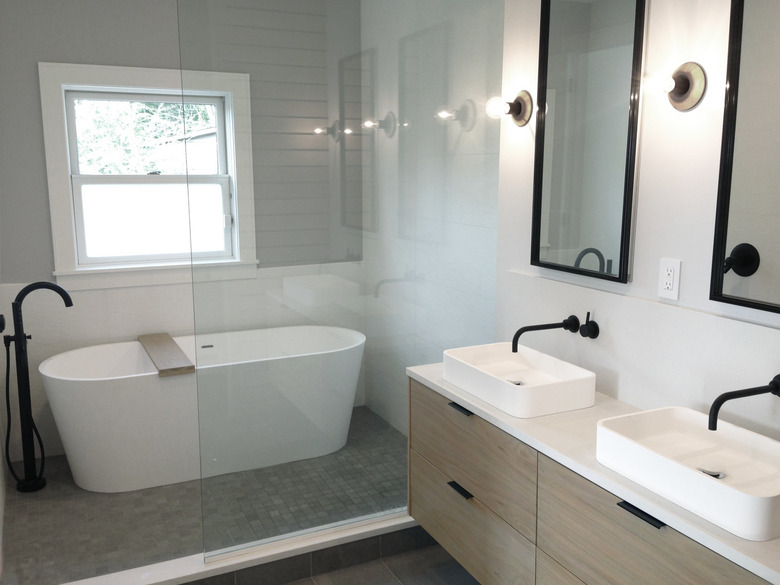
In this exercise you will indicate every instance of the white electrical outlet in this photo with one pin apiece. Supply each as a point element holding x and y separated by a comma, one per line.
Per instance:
<point>669,279</point>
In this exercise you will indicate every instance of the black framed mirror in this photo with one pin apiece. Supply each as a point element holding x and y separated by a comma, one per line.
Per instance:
<point>590,60</point>
<point>745,262</point>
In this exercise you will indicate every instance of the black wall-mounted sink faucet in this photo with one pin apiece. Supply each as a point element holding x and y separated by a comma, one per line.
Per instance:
<point>772,388</point>
<point>571,323</point>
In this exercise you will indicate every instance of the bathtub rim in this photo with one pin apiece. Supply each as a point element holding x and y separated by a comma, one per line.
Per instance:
<point>360,339</point>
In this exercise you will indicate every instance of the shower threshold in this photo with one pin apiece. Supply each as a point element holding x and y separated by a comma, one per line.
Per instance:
<point>196,567</point>
<point>302,535</point>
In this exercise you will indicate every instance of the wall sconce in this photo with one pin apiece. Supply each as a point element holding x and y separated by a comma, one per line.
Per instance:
<point>334,131</point>
<point>466,115</point>
<point>388,124</point>
<point>687,86</point>
<point>520,109</point>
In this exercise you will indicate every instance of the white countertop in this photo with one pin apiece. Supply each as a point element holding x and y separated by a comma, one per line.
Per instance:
<point>570,439</point>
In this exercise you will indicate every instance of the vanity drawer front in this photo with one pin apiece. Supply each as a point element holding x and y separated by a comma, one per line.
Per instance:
<point>491,550</point>
<point>548,572</point>
<point>583,529</point>
<point>499,469</point>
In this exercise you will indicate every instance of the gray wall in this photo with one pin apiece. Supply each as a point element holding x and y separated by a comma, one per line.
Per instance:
<point>282,45</point>
<point>102,32</point>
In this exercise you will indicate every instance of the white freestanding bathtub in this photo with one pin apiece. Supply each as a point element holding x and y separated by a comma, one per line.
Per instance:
<point>258,398</point>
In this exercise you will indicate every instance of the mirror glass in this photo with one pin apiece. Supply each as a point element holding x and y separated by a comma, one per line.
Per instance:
<point>590,58</point>
<point>745,270</point>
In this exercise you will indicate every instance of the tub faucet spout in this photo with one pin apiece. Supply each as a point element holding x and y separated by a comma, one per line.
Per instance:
<point>772,388</point>
<point>16,308</point>
<point>44,284</point>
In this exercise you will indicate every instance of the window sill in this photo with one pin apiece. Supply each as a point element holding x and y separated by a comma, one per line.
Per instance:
<point>103,277</point>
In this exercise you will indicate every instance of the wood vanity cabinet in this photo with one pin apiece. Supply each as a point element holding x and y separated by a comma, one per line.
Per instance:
<point>511,515</point>
<point>549,572</point>
<point>473,488</point>
<point>581,526</point>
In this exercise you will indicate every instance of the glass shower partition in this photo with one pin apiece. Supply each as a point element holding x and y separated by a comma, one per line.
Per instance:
<point>363,241</point>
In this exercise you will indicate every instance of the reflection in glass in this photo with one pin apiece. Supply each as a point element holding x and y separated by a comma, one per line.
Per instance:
<point>422,166</point>
<point>354,232</point>
<point>357,144</point>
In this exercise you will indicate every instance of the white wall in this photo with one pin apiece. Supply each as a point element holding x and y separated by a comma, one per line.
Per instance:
<point>651,352</point>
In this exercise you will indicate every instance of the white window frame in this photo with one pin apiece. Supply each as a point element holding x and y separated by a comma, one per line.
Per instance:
<point>56,79</point>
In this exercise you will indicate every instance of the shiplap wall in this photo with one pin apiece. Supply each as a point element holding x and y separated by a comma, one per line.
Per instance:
<point>281,44</point>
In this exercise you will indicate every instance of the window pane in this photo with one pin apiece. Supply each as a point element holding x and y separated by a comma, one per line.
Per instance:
<point>207,218</point>
<point>142,220</point>
<point>124,136</point>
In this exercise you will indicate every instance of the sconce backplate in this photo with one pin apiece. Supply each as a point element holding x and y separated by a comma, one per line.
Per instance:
<point>521,108</point>
<point>690,83</point>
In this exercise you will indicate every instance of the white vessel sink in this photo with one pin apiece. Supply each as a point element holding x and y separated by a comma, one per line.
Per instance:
<point>671,452</point>
<point>523,384</point>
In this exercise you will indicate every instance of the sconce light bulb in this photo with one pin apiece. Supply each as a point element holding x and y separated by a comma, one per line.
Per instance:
<point>496,107</point>
<point>370,124</point>
<point>347,130</point>
<point>320,130</point>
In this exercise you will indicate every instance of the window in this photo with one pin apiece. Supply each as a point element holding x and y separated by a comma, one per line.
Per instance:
<point>144,175</point>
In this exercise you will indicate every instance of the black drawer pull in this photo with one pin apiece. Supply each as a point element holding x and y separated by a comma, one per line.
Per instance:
<point>651,520</point>
<point>460,489</point>
<point>460,409</point>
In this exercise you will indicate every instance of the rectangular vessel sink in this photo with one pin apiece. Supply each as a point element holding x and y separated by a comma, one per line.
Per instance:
<point>523,384</point>
<point>730,477</point>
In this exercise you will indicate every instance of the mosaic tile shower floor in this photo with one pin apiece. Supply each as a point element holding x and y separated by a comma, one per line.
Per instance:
<point>63,533</point>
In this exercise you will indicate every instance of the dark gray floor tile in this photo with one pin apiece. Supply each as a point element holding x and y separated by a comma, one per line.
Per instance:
<point>373,573</point>
<point>431,565</point>
<point>276,572</point>
<point>345,555</point>
<point>405,540</point>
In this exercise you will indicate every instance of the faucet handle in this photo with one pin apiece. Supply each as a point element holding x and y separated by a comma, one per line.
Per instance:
<point>590,328</point>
